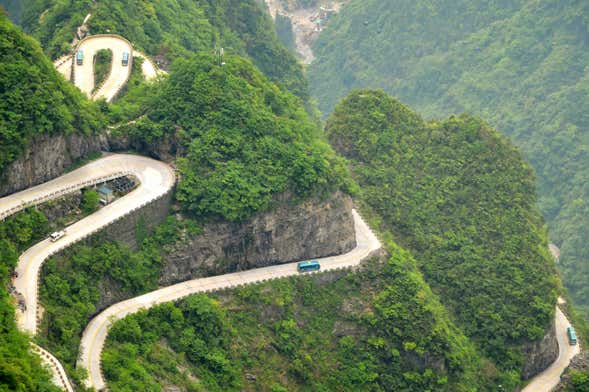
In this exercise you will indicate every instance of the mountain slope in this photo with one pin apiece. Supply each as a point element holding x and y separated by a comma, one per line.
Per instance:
<point>521,65</point>
<point>171,29</point>
<point>36,99</point>
<point>462,199</point>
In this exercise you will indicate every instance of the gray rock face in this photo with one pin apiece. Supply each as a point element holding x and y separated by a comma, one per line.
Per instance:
<point>46,158</point>
<point>578,363</point>
<point>312,229</point>
<point>539,355</point>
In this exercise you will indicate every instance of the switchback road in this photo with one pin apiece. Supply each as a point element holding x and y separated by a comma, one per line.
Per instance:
<point>97,330</point>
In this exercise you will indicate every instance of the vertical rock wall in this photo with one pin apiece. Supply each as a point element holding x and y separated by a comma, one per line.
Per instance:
<point>46,158</point>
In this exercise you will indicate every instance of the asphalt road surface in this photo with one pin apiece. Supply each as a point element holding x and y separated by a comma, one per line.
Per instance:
<point>119,74</point>
<point>97,330</point>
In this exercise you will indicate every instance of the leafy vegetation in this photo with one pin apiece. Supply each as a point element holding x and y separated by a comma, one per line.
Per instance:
<point>462,199</point>
<point>172,29</point>
<point>519,64</point>
<point>71,282</point>
<point>35,99</point>
<point>381,329</point>
<point>102,64</point>
<point>20,370</point>
<point>285,32</point>
<point>241,140</point>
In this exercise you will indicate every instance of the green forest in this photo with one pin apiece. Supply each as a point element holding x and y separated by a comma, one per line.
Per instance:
<point>518,64</point>
<point>465,281</point>
<point>35,99</point>
<point>461,198</point>
<point>172,29</point>
<point>240,139</point>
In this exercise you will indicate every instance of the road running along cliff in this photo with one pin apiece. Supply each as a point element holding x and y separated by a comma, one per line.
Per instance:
<point>156,179</point>
<point>96,332</point>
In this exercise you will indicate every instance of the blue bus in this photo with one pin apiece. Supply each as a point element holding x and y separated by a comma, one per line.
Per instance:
<point>572,336</point>
<point>80,57</point>
<point>125,59</point>
<point>305,266</point>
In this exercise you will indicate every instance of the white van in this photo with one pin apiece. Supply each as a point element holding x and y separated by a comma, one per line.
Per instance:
<point>57,235</point>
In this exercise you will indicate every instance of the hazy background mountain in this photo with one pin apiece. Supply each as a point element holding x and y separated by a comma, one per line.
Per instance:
<point>519,64</point>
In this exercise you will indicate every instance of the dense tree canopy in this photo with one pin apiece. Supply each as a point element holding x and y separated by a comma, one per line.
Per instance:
<point>462,199</point>
<point>172,28</point>
<point>239,138</point>
<point>519,64</point>
<point>35,99</point>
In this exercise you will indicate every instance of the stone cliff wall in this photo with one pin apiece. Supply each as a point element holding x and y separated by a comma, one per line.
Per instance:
<point>539,355</point>
<point>312,229</point>
<point>124,230</point>
<point>46,158</point>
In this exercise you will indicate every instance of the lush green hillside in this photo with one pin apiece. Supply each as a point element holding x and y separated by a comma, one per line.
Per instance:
<point>240,139</point>
<point>35,98</point>
<point>521,65</point>
<point>377,330</point>
<point>461,198</point>
<point>20,370</point>
<point>171,28</point>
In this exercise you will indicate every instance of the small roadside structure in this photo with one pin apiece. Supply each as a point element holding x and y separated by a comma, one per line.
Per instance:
<point>106,194</point>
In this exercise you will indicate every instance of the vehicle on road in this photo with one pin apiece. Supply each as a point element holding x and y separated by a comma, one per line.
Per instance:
<point>572,336</point>
<point>306,266</point>
<point>125,59</point>
<point>56,235</point>
<point>80,57</point>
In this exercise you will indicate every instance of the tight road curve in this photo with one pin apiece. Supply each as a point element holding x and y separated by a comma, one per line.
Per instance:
<point>119,74</point>
<point>97,330</point>
<point>155,180</point>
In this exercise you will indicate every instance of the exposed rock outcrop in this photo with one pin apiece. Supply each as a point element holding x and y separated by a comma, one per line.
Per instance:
<point>539,355</point>
<point>312,229</point>
<point>580,363</point>
<point>46,158</point>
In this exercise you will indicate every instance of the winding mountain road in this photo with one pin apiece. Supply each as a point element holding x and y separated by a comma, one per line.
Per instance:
<point>97,330</point>
<point>156,179</point>
<point>119,74</point>
<point>550,377</point>
<point>83,75</point>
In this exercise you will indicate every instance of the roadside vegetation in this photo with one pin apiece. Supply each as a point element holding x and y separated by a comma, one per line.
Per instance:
<point>20,370</point>
<point>102,65</point>
<point>71,283</point>
<point>379,329</point>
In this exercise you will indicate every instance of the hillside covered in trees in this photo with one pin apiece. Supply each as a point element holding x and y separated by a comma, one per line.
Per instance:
<point>521,65</point>
<point>465,283</point>
<point>461,198</point>
<point>35,99</point>
<point>171,29</point>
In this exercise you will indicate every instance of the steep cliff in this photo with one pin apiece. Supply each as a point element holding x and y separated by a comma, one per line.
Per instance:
<point>48,157</point>
<point>540,354</point>
<point>315,228</point>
